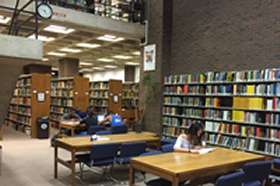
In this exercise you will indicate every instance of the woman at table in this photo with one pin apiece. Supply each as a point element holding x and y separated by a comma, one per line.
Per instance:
<point>190,141</point>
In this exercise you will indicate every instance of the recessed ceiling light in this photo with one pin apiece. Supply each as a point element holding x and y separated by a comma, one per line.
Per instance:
<point>59,29</point>
<point>86,64</point>
<point>110,38</point>
<point>105,60</point>
<point>42,38</point>
<point>56,54</point>
<point>110,66</point>
<point>87,45</point>
<point>70,50</point>
<point>45,59</point>
<point>122,57</point>
<point>131,63</point>
<point>4,19</point>
<point>53,73</point>
<point>54,69</point>
<point>98,68</point>
<point>87,69</point>
<point>136,53</point>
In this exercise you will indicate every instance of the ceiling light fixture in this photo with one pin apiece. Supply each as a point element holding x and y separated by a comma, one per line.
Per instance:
<point>59,29</point>
<point>54,69</point>
<point>122,57</point>
<point>136,53</point>
<point>86,64</point>
<point>98,68</point>
<point>87,45</point>
<point>42,38</point>
<point>70,50</point>
<point>131,63</point>
<point>110,66</point>
<point>105,60</point>
<point>56,54</point>
<point>4,20</point>
<point>110,38</point>
<point>45,59</point>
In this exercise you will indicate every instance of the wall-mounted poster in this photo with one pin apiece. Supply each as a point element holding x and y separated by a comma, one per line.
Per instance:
<point>150,57</point>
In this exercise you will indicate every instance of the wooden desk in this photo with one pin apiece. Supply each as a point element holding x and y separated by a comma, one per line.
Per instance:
<point>81,144</point>
<point>177,167</point>
<point>70,125</point>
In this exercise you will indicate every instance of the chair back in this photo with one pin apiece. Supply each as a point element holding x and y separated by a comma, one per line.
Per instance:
<point>164,141</point>
<point>119,129</point>
<point>104,151</point>
<point>256,170</point>
<point>235,179</point>
<point>167,148</point>
<point>103,132</point>
<point>93,129</point>
<point>151,153</point>
<point>132,149</point>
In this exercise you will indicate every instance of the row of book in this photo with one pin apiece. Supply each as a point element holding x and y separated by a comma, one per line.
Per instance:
<point>62,84</point>
<point>100,110</point>
<point>62,110</point>
<point>24,82</point>
<point>218,90</point>
<point>130,94</point>
<point>99,102</point>
<point>245,131</point>
<point>217,114</point>
<point>99,94</point>
<point>62,102</point>
<point>54,124</point>
<point>19,118</point>
<point>130,87</point>
<point>272,89</point>
<point>64,93</point>
<point>173,131</point>
<point>249,117</point>
<point>56,117</point>
<point>249,103</point>
<point>128,103</point>
<point>186,89</point>
<point>21,100</point>
<point>99,85</point>
<point>20,110</point>
<point>177,121</point>
<point>190,101</point>
<point>234,76</point>
<point>22,92</point>
<point>22,128</point>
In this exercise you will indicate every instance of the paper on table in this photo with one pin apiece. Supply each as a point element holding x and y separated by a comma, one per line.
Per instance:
<point>101,139</point>
<point>206,150</point>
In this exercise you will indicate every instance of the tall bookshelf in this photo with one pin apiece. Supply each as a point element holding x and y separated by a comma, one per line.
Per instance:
<point>239,109</point>
<point>67,93</point>
<point>130,99</point>
<point>31,100</point>
<point>102,94</point>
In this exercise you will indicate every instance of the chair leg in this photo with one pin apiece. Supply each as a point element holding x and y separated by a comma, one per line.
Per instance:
<point>81,170</point>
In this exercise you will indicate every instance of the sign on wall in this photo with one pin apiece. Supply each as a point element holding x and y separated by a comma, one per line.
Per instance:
<point>150,57</point>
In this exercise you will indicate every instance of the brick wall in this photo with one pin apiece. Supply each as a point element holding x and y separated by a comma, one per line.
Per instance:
<point>209,35</point>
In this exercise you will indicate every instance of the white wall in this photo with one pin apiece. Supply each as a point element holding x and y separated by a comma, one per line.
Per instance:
<point>137,74</point>
<point>105,75</point>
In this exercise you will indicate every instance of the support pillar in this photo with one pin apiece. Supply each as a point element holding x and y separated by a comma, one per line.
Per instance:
<point>68,67</point>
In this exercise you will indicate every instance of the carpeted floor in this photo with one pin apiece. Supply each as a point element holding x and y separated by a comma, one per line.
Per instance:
<point>30,162</point>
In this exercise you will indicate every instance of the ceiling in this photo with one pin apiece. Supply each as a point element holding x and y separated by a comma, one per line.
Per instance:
<point>116,53</point>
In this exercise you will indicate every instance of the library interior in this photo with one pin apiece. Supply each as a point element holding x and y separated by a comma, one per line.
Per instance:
<point>139,92</point>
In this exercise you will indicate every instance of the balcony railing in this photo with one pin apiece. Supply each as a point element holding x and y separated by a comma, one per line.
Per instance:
<point>125,10</point>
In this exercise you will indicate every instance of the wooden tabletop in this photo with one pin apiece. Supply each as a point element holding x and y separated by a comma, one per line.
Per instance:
<point>81,142</point>
<point>176,163</point>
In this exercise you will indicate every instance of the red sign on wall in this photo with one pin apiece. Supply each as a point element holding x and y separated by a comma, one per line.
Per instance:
<point>59,14</point>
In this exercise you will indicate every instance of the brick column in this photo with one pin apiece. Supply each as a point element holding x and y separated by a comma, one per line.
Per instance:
<point>68,67</point>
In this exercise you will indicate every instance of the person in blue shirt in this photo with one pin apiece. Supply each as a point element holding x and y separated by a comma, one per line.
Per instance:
<point>112,118</point>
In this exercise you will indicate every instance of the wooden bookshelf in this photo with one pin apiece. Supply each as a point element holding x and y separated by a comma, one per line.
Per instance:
<point>102,94</point>
<point>240,109</point>
<point>67,93</point>
<point>130,98</point>
<point>25,107</point>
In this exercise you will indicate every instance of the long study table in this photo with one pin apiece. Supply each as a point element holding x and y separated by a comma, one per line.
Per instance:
<point>81,144</point>
<point>177,166</point>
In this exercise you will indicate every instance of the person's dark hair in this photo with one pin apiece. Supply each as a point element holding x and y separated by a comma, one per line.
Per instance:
<point>72,109</point>
<point>192,132</point>
<point>110,112</point>
<point>90,114</point>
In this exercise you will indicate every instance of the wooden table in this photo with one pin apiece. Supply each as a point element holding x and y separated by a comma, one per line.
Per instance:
<point>177,167</point>
<point>70,125</point>
<point>81,144</point>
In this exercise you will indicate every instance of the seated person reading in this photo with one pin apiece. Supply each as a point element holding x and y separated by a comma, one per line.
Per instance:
<point>113,119</point>
<point>90,120</point>
<point>71,116</point>
<point>191,141</point>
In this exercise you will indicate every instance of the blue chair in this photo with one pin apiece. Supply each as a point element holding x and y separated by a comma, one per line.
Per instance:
<point>119,129</point>
<point>103,132</point>
<point>275,171</point>
<point>256,172</point>
<point>235,179</point>
<point>93,129</point>
<point>167,148</point>
<point>166,141</point>
<point>101,155</point>
<point>130,150</point>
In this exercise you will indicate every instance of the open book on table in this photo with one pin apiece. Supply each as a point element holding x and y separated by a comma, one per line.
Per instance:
<point>205,150</point>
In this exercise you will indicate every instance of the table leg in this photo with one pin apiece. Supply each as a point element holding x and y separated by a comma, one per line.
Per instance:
<point>158,145</point>
<point>72,131</point>
<point>131,174</point>
<point>55,161</point>
<point>59,130</point>
<point>175,181</point>
<point>73,162</point>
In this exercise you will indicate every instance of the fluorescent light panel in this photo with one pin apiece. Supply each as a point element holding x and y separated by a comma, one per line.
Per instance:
<point>4,20</point>
<point>122,57</point>
<point>98,68</point>
<point>136,53</point>
<point>110,38</point>
<point>87,45</point>
<point>110,66</point>
<point>105,60</point>
<point>45,59</point>
<point>56,54</point>
<point>131,63</point>
<point>70,50</point>
<point>59,29</point>
<point>83,63</point>
<point>42,38</point>
<point>54,69</point>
